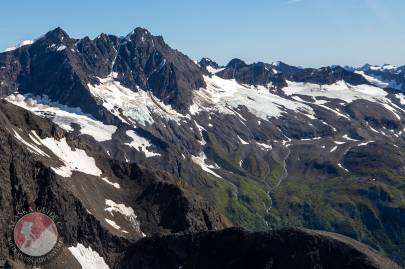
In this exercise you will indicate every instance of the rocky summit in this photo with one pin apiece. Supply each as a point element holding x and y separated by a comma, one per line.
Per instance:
<point>147,158</point>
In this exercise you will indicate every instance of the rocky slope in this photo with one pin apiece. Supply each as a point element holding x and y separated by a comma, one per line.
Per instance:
<point>187,147</point>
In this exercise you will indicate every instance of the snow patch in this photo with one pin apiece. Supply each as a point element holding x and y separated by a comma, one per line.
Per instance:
<point>140,143</point>
<point>113,224</point>
<point>265,146</point>
<point>74,160</point>
<point>365,143</point>
<point>115,185</point>
<point>88,258</point>
<point>341,166</point>
<point>200,160</point>
<point>61,47</point>
<point>124,210</point>
<point>32,148</point>
<point>334,148</point>
<point>243,141</point>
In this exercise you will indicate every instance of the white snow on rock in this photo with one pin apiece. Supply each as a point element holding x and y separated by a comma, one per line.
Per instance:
<point>32,148</point>
<point>265,146</point>
<point>115,185</point>
<point>213,70</point>
<point>200,161</point>
<point>61,47</point>
<point>124,210</point>
<point>225,96</point>
<point>342,91</point>
<point>242,141</point>
<point>64,116</point>
<point>401,98</point>
<point>129,106</point>
<point>88,258</point>
<point>339,90</point>
<point>373,80</point>
<point>342,167</point>
<point>348,138</point>
<point>365,143</point>
<point>74,160</point>
<point>22,44</point>
<point>140,143</point>
<point>113,224</point>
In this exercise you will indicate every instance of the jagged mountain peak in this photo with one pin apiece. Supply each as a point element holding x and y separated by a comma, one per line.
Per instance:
<point>57,35</point>
<point>236,63</point>
<point>205,62</point>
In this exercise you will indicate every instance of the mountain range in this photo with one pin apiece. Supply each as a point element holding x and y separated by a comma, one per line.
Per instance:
<point>141,151</point>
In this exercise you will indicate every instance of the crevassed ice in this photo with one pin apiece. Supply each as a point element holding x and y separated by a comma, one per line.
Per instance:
<point>88,258</point>
<point>225,96</point>
<point>140,143</point>
<point>130,106</point>
<point>64,116</point>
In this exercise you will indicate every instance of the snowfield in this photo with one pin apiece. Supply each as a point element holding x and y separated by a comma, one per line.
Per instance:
<point>226,96</point>
<point>64,116</point>
<point>131,107</point>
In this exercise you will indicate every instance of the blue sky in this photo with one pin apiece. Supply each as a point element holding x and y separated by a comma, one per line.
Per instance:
<point>300,32</point>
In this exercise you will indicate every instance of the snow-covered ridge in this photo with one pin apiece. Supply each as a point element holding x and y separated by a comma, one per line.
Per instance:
<point>64,116</point>
<point>22,44</point>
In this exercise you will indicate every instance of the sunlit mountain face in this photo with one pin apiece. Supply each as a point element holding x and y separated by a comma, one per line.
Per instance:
<point>146,156</point>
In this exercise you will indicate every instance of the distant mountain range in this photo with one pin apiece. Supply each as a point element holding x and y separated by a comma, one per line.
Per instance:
<point>125,138</point>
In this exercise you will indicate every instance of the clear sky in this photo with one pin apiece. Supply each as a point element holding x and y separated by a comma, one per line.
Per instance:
<point>299,32</point>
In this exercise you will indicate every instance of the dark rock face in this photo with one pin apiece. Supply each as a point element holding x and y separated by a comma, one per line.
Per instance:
<point>148,62</point>
<point>279,249</point>
<point>276,73</point>
<point>205,62</point>
<point>253,74</point>
<point>327,75</point>
<point>60,67</point>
